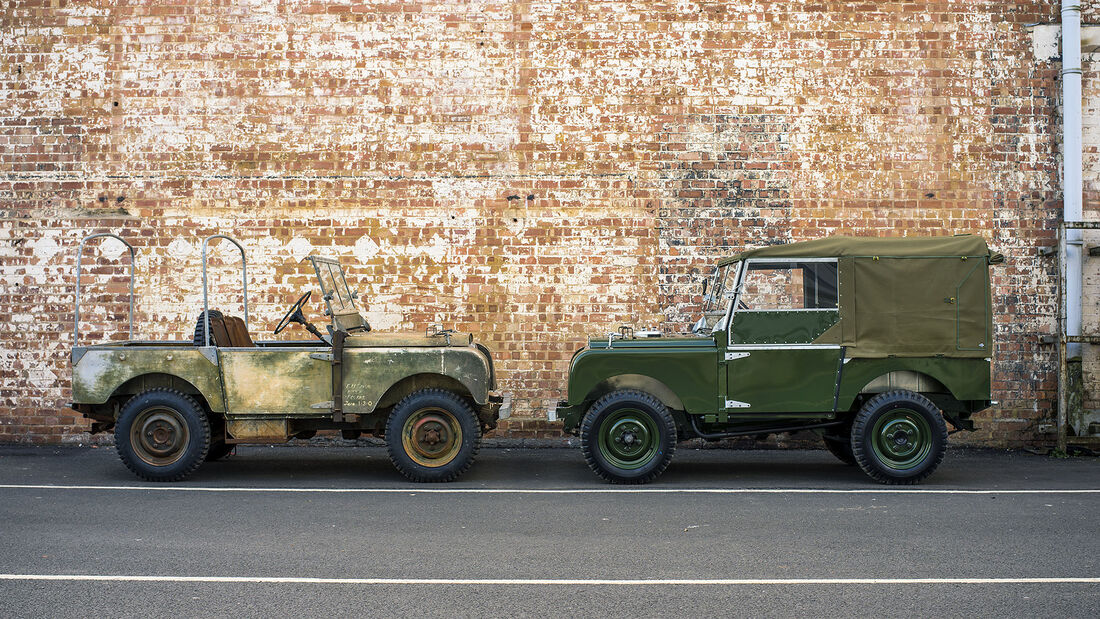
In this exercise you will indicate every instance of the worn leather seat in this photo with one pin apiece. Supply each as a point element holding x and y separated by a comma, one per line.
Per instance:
<point>225,331</point>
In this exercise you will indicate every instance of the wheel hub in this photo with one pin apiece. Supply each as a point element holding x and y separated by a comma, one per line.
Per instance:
<point>432,437</point>
<point>159,436</point>
<point>901,439</point>
<point>628,439</point>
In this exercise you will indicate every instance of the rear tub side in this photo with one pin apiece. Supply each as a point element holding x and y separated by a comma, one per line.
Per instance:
<point>679,371</point>
<point>967,381</point>
<point>100,371</point>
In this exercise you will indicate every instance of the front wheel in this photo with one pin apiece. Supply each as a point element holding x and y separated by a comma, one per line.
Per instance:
<point>162,435</point>
<point>899,437</point>
<point>432,436</point>
<point>628,437</point>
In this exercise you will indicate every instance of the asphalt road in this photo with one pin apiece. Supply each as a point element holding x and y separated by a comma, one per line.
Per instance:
<point>721,533</point>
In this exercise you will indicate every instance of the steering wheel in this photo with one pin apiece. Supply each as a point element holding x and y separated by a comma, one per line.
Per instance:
<point>294,314</point>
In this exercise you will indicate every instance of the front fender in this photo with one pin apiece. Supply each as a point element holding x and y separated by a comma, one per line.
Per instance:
<point>689,372</point>
<point>371,372</point>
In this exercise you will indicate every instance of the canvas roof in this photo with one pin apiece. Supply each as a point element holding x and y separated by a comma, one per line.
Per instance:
<point>895,247</point>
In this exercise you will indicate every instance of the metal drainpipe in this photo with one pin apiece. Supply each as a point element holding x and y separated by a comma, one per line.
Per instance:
<point>1072,188</point>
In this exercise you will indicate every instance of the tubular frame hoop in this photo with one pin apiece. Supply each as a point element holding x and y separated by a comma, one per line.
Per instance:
<point>205,298</point>
<point>79,266</point>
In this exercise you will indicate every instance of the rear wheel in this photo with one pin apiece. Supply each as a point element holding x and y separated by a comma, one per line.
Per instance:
<point>628,437</point>
<point>899,437</point>
<point>162,435</point>
<point>432,436</point>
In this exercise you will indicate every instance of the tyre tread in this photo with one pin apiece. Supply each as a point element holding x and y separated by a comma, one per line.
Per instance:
<point>866,460</point>
<point>204,427</point>
<point>411,473</point>
<point>588,449</point>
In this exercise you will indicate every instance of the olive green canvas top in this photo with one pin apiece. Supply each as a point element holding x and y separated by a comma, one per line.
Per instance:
<point>838,246</point>
<point>905,297</point>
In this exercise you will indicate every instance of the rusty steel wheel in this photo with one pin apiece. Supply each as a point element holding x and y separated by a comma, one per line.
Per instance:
<point>159,435</point>
<point>162,435</point>
<point>432,435</point>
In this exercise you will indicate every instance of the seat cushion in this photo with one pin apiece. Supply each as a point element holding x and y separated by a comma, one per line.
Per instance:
<point>238,333</point>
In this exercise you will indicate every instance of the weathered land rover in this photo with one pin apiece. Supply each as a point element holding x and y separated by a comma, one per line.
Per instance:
<point>870,342</point>
<point>174,404</point>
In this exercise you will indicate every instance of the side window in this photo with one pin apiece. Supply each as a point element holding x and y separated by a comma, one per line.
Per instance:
<point>771,286</point>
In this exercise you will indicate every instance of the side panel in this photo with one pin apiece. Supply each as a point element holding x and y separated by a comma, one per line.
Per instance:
<point>276,380</point>
<point>370,372</point>
<point>690,372</point>
<point>968,379</point>
<point>782,380</point>
<point>100,371</point>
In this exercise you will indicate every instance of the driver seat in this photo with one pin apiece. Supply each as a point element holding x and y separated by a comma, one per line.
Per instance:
<point>225,331</point>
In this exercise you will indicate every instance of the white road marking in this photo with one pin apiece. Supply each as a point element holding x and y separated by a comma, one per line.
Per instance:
<point>550,581</point>
<point>603,490</point>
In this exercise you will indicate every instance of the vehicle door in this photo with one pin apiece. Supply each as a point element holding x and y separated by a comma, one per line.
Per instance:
<point>780,357</point>
<point>273,379</point>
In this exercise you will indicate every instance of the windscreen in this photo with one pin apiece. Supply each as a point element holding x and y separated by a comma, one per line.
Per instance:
<point>334,285</point>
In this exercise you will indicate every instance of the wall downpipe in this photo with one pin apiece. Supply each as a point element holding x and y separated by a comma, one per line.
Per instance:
<point>1072,187</point>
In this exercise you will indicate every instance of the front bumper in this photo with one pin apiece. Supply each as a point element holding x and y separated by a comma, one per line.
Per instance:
<point>489,413</point>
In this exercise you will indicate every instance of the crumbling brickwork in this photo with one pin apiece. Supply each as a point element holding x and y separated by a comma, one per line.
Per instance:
<point>534,172</point>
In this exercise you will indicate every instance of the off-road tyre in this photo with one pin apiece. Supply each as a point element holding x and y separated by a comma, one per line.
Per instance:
<point>411,425</point>
<point>840,446</point>
<point>171,431</point>
<point>199,338</point>
<point>899,437</point>
<point>608,424</point>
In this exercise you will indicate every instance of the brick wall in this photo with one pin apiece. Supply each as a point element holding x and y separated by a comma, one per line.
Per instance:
<point>533,172</point>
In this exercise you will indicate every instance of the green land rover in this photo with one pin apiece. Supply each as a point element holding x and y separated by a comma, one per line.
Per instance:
<point>873,343</point>
<point>175,404</point>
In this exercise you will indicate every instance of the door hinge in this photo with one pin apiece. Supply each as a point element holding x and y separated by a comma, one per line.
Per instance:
<point>736,404</point>
<point>327,404</point>
<point>730,356</point>
<point>321,356</point>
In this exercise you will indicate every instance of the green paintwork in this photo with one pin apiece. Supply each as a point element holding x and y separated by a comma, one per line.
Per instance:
<point>783,381</point>
<point>776,327</point>
<point>684,365</point>
<point>102,369</point>
<point>912,314</point>
<point>901,439</point>
<point>292,382</point>
<point>261,389</point>
<point>372,371</point>
<point>629,438</point>
<point>965,379</point>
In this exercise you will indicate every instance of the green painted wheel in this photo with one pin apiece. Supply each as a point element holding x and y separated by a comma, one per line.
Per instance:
<point>901,439</point>
<point>629,438</point>
<point>898,437</point>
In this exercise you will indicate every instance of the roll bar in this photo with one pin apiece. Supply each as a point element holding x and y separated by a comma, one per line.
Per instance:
<point>244,283</point>
<point>79,257</point>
